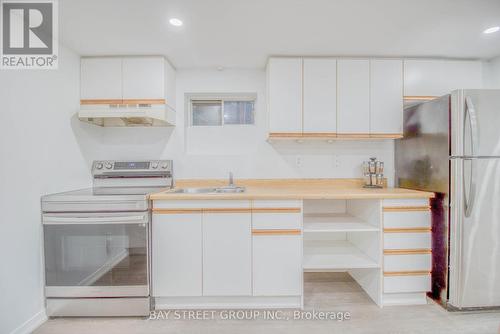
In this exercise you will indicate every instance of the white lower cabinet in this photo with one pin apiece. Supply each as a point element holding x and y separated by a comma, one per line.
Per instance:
<point>413,219</point>
<point>176,255</point>
<point>407,262</point>
<point>227,254</point>
<point>277,265</point>
<point>207,254</point>
<point>405,284</point>
<point>407,251</point>
<point>407,241</point>
<point>244,254</point>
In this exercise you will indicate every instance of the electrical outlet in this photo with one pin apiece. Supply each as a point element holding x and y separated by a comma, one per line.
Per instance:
<point>335,161</point>
<point>298,161</point>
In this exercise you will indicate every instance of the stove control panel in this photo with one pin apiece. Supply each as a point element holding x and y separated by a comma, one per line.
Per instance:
<point>110,167</point>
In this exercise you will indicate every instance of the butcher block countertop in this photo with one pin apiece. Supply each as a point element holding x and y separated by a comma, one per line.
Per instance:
<point>299,189</point>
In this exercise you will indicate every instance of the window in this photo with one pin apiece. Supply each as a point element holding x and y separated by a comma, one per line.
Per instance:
<point>206,113</point>
<point>220,111</point>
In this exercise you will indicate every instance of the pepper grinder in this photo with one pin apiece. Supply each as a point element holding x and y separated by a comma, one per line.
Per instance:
<point>373,172</point>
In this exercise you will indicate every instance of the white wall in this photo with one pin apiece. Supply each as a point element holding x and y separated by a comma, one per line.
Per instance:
<point>39,154</point>
<point>491,73</point>
<point>208,152</point>
<point>45,149</point>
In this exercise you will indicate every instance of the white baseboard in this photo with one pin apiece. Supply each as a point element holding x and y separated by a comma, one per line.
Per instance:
<point>394,299</point>
<point>226,302</point>
<point>31,324</point>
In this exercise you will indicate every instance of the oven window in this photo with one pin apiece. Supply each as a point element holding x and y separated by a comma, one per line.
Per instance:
<point>95,255</point>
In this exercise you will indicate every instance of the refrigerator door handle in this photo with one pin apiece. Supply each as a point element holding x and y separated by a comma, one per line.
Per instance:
<point>470,199</point>
<point>471,111</point>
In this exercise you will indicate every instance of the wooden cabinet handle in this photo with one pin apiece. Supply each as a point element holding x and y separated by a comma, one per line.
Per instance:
<point>226,210</point>
<point>276,232</point>
<point>405,208</point>
<point>407,251</point>
<point>408,230</point>
<point>276,210</point>
<point>407,273</point>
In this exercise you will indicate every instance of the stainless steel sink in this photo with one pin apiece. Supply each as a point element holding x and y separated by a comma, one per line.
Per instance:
<point>219,190</point>
<point>230,189</point>
<point>194,190</point>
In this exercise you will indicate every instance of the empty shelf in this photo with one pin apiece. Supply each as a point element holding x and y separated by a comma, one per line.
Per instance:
<point>335,255</point>
<point>336,223</point>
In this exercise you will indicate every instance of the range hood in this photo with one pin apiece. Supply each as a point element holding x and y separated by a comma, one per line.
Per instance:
<point>119,114</point>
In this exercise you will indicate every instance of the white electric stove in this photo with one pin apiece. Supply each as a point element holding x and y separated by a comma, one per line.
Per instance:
<point>96,241</point>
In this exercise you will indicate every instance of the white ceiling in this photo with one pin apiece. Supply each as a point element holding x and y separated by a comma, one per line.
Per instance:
<point>243,33</point>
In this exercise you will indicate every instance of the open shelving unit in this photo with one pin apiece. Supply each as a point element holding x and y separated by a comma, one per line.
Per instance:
<point>335,255</point>
<point>336,222</point>
<point>345,235</point>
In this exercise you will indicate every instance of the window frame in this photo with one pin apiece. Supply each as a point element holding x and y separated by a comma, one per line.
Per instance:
<point>221,97</point>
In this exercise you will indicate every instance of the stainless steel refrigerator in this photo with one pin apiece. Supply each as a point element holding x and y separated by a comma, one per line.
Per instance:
<point>451,146</point>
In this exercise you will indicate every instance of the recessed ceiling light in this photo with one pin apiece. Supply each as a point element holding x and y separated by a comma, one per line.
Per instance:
<point>175,22</point>
<point>491,30</point>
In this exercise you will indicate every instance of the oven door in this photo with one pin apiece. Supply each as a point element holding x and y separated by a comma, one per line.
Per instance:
<point>96,254</point>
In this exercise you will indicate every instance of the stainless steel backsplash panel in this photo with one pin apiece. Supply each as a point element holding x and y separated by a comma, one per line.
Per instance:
<point>421,157</point>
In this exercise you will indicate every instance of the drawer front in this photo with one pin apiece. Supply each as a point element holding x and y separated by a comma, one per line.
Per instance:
<point>199,204</point>
<point>410,283</point>
<point>407,240</point>
<point>407,262</point>
<point>282,220</point>
<point>404,202</point>
<point>395,219</point>
<point>277,204</point>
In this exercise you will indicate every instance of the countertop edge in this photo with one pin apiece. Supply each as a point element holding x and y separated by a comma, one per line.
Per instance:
<point>411,194</point>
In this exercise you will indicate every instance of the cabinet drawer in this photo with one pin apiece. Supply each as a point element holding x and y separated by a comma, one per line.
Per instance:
<point>407,283</point>
<point>276,204</point>
<point>407,240</point>
<point>394,219</point>
<point>407,262</point>
<point>282,220</point>
<point>277,265</point>
<point>404,202</point>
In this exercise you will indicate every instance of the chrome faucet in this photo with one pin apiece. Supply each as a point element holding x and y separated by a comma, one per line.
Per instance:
<point>231,187</point>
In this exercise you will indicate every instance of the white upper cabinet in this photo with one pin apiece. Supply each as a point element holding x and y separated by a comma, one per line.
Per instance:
<point>143,78</point>
<point>320,95</point>
<point>101,78</point>
<point>353,113</point>
<point>284,77</point>
<point>147,78</point>
<point>386,96</point>
<point>440,77</point>
<point>356,98</point>
<point>169,86</point>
